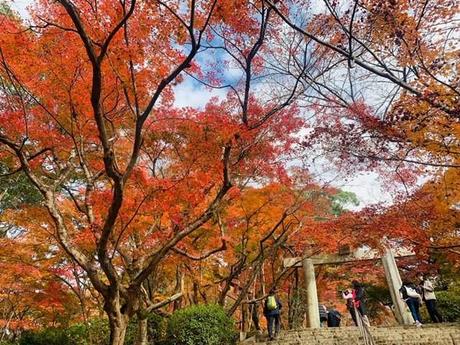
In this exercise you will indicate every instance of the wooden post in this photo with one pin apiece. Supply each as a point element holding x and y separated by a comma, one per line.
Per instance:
<point>312,295</point>
<point>394,283</point>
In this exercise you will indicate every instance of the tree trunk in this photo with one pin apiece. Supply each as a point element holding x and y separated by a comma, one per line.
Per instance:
<point>142,326</point>
<point>262,279</point>
<point>290,304</point>
<point>118,325</point>
<point>195,293</point>
<point>179,288</point>
<point>243,318</point>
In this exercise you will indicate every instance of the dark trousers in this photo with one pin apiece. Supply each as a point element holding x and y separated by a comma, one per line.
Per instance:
<point>433,311</point>
<point>414,306</point>
<point>273,321</point>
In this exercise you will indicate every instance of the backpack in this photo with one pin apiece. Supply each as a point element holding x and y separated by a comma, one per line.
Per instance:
<point>403,291</point>
<point>271,303</point>
<point>334,315</point>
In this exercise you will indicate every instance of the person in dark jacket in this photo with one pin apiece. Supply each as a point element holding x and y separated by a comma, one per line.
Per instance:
<point>359,298</point>
<point>333,317</point>
<point>272,311</point>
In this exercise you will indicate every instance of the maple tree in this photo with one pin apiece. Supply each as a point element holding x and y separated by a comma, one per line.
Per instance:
<point>391,103</point>
<point>33,292</point>
<point>87,115</point>
<point>393,78</point>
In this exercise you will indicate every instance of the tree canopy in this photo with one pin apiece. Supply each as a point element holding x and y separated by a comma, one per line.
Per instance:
<point>116,200</point>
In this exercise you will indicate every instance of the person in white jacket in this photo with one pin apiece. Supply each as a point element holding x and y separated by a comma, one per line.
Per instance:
<point>430,298</point>
<point>413,300</point>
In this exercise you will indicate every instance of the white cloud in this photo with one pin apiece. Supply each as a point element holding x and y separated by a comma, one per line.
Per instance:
<point>20,6</point>
<point>195,95</point>
<point>368,187</point>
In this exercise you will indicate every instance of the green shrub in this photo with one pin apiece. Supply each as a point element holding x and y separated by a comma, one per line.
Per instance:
<point>78,334</point>
<point>8,342</point>
<point>156,328</point>
<point>201,325</point>
<point>376,297</point>
<point>49,336</point>
<point>95,332</point>
<point>131,333</point>
<point>449,304</point>
<point>297,309</point>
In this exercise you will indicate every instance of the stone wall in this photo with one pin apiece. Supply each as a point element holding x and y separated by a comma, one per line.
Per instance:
<point>446,334</point>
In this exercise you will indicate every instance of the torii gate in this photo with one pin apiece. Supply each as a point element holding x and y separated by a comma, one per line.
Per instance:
<point>391,273</point>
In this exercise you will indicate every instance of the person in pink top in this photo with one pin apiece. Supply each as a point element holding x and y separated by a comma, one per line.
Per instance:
<point>356,301</point>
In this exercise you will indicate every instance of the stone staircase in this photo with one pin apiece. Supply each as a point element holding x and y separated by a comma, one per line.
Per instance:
<point>445,334</point>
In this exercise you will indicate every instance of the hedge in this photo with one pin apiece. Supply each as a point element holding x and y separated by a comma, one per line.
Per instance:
<point>201,325</point>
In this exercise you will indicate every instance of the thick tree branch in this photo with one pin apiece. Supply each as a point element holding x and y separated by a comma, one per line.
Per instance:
<point>161,304</point>
<point>203,256</point>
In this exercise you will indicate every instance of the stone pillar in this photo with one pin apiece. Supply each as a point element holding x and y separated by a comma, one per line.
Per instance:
<point>312,295</point>
<point>394,283</point>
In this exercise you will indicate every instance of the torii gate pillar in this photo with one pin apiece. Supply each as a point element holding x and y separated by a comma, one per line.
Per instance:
<point>312,294</point>
<point>394,283</point>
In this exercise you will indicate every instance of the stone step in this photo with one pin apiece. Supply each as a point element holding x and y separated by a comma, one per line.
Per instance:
<point>430,334</point>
